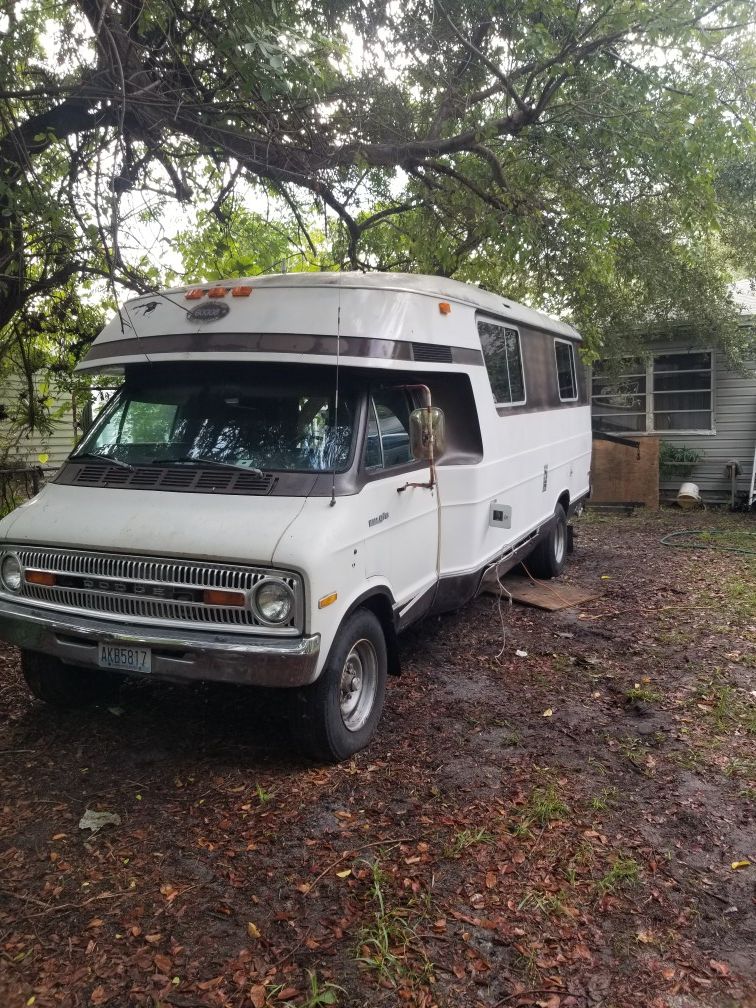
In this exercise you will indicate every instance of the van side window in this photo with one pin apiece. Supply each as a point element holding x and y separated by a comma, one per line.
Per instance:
<point>566,375</point>
<point>503,357</point>
<point>387,441</point>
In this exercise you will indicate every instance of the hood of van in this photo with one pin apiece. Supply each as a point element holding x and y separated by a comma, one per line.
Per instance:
<point>220,527</point>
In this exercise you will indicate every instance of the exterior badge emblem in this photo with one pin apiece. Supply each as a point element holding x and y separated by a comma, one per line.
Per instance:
<point>208,311</point>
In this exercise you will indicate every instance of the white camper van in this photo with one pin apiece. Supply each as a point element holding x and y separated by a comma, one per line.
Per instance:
<point>295,469</point>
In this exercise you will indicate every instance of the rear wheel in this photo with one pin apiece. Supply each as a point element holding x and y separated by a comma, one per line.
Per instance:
<point>548,558</point>
<point>337,715</point>
<point>64,685</point>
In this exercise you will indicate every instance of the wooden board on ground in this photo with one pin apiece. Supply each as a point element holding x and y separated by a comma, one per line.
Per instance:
<point>541,594</point>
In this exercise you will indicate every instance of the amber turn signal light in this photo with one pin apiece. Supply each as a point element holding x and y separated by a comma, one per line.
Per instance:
<point>224,598</point>
<point>40,577</point>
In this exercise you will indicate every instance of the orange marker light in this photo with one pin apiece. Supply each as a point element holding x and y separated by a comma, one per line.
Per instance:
<point>194,294</point>
<point>40,577</point>
<point>444,307</point>
<point>216,292</point>
<point>241,291</point>
<point>224,598</point>
<point>327,600</point>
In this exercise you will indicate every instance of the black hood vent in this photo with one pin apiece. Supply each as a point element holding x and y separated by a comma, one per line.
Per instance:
<point>186,479</point>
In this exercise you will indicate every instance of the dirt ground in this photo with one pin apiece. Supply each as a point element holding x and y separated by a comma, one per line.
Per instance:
<point>559,810</point>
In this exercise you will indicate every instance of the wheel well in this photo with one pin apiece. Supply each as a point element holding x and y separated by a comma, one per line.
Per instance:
<point>380,605</point>
<point>564,500</point>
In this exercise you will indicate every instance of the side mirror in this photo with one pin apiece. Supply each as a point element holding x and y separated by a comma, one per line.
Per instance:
<point>427,432</point>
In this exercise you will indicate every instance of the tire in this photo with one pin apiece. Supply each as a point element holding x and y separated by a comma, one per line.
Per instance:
<point>329,722</point>
<point>549,557</point>
<point>62,685</point>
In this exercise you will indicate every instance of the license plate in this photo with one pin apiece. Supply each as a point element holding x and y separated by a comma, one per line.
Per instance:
<point>124,657</point>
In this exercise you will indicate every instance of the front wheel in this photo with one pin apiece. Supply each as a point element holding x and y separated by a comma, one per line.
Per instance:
<point>62,685</point>
<point>548,558</point>
<point>337,715</point>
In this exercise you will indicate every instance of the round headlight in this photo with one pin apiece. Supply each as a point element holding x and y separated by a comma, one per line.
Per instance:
<point>274,601</point>
<point>10,572</point>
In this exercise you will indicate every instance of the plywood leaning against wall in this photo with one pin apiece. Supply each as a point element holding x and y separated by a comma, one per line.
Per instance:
<point>623,473</point>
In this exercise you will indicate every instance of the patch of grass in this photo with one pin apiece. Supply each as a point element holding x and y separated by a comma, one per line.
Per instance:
<point>545,805</point>
<point>467,838</point>
<point>624,871</point>
<point>317,996</point>
<point>742,591</point>
<point>603,801</point>
<point>640,692</point>
<point>388,945</point>
<point>549,903</point>
<point>725,706</point>
<point>263,796</point>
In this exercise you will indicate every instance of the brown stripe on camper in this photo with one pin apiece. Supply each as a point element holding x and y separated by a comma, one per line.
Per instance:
<point>286,343</point>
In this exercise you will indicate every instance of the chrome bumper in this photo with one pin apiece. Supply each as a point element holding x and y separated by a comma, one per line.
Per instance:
<point>176,654</point>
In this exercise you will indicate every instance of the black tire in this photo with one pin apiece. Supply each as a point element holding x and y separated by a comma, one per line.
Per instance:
<point>549,557</point>
<point>64,685</point>
<point>328,723</point>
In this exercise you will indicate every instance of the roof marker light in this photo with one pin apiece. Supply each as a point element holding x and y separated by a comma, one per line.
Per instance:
<point>241,291</point>
<point>194,294</point>
<point>444,307</point>
<point>216,292</point>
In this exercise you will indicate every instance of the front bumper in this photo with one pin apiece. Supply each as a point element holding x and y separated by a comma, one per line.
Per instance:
<point>176,654</point>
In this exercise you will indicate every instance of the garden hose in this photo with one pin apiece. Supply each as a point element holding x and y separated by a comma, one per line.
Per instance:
<point>665,541</point>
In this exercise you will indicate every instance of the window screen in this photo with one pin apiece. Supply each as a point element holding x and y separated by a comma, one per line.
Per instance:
<point>566,375</point>
<point>503,357</point>
<point>666,392</point>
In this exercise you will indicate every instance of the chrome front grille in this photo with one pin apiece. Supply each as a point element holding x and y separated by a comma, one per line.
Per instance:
<point>107,583</point>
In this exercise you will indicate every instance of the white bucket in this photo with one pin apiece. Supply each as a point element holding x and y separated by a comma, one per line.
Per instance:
<point>688,496</point>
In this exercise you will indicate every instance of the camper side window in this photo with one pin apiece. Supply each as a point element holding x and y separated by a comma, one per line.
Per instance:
<point>566,375</point>
<point>387,442</point>
<point>503,357</point>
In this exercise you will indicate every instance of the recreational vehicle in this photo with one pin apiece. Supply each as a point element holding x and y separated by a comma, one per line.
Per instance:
<point>294,469</point>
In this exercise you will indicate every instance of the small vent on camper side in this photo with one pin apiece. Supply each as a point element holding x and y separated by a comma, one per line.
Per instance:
<point>432,353</point>
<point>174,478</point>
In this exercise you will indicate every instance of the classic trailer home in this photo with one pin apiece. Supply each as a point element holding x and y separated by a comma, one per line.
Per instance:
<point>296,468</point>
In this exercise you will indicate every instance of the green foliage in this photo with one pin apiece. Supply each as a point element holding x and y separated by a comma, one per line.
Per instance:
<point>593,160</point>
<point>677,462</point>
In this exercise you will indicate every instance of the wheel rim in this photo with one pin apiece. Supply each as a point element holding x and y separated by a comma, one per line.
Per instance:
<point>359,680</point>
<point>559,542</point>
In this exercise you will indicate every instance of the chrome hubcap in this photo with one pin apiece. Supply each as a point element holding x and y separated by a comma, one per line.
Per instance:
<point>559,543</point>
<point>359,678</point>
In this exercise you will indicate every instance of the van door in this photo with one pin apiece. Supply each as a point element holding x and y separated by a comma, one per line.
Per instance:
<point>402,534</point>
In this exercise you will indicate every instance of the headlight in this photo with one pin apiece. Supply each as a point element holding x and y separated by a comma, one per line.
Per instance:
<point>274,602</point>
<point>11,573</point>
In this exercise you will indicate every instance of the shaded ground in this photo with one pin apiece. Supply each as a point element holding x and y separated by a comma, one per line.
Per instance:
<point>558,829</point>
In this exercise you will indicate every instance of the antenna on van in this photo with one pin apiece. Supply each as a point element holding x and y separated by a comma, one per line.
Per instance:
<point>336,400</point>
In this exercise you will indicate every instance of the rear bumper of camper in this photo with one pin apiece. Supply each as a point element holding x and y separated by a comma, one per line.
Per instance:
<point>175,654</point>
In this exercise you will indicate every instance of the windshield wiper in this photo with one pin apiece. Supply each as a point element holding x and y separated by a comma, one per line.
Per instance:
<point>197,460</point>
<point>108,459</point>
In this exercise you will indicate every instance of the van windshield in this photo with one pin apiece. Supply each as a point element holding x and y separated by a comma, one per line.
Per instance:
<point>280,428</point>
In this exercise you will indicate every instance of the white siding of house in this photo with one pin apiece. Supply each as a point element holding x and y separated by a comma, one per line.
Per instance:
<point>57,444</point>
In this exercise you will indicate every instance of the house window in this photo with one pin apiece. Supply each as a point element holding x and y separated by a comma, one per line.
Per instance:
<point>503,357</point>
<point>666,392</point>
<point>566,374</point>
